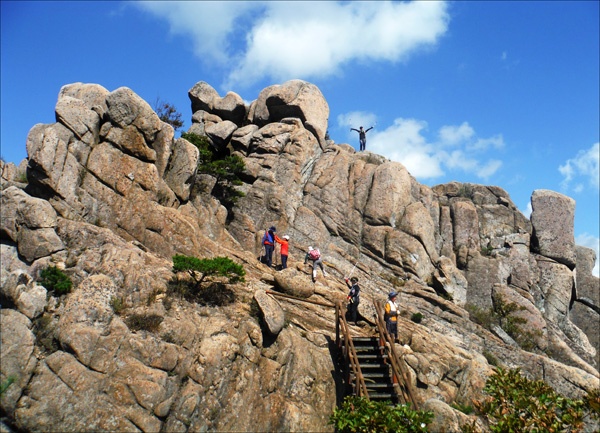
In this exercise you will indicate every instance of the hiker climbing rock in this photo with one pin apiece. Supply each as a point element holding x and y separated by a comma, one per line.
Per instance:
<point>362,136</point>
<point>268,241</point>
<point>284,242</point>
<point>391,316</point>
<point>314,255</point>
<point>353,298</point>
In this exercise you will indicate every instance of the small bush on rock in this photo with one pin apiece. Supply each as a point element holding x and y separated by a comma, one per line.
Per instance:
<point>416,317</point>
<point>226,169</point>
<point>144,322</point>
<point>55,280</point>
<point>359,415</point>
<point>517,404</point>
<point>208,278</point>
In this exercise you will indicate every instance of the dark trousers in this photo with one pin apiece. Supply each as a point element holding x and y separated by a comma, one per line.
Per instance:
<point>269,254</point>
<point>353,311</point>
<point>392,329</point>
<point>283,261</point>
<point>363,143</point>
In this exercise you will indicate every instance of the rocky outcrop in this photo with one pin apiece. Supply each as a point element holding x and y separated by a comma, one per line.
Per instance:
<point>111,196</point>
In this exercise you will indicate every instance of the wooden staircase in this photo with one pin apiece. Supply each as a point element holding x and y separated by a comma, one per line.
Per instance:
<point>371,366</point>
<point>375,369</point>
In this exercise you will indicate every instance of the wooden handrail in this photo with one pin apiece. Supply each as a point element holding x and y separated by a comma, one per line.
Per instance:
<point>398,370</point>
<point>360,385</point>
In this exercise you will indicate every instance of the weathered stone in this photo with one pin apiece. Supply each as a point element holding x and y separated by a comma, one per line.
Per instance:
<point>17,358</point>
<point>182,167</point>
<point>121,223</point>
<point>552,217</point>
<point>80,119</point>
<point>231,107</point>
<point>292,282</point>
<point>220,133</point>
<point>272,313</point>
<point>24,293</point>
<point>126,108</point>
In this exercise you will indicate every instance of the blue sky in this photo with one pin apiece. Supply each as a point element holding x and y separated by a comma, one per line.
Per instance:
<point>491,92</point>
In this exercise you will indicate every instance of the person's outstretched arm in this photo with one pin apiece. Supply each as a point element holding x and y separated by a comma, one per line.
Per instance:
<point>353,129</point>
<point>369,129</point>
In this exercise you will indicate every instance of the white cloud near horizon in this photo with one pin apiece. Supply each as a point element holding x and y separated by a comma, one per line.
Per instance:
<point>299,39</point>
<point>581,170</point>
<point>456,147</point>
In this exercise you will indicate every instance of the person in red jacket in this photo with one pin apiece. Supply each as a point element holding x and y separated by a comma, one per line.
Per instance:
<point>285,244</point>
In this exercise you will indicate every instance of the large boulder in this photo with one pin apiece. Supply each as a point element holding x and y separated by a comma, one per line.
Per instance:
<point>553,216</point>
<point>30,222</point>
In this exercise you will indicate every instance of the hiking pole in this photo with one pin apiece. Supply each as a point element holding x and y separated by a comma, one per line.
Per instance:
<point>354,267</point>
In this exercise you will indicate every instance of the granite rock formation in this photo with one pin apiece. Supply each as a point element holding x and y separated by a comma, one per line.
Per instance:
<point>109,195</point>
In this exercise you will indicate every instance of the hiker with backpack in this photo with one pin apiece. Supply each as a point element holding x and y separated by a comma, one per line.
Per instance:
<point>391,316</point>
<point>268,242</point>
<point>314,255</point>
<point>285,243</point>
<point>362,136</point>
<point>353,298</point>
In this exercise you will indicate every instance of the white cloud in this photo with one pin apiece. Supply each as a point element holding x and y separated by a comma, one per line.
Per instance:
<point>453,135</point>
<point>299,39</point>
<point>582,168</point>
<point>458,148</point>
<point>210,24</point>
<point>587,240</point>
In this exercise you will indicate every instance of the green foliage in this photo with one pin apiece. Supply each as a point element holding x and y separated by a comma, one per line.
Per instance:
<point>416,317</point>
<point>226,169</point>
<point>491,359</point>
<point>144,322</point>
<point>55,280</point>
<point>22,178</point>
<point>502,314</point>
<point>517,404</point>
<point>117,304</point>
<point>168,114</point>
<point>6,383</point>
<point>207,279</point>
<point>466,409</point>
<point>359,415</point>
<point>43,330</point>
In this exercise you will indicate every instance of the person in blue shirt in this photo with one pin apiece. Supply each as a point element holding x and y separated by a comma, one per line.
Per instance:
<point>268,242</point>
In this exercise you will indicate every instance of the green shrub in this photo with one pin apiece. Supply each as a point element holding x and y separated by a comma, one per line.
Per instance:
<point>43,329</point>
<point>226,169</point>
<point>502,314</point>
<point>358,415</point>
<point>202,269</point>
<point>491,359</point>
<point>207,279</point>
<point>464,408</point>
<point>144,322</point>
<point>6,383</point>
<point>55,280</point>
<point>117,304</point>
<point>517,404</point>
<point>416,317</point>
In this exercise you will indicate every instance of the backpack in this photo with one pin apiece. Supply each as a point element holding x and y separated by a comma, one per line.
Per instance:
<point>314,254</point>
